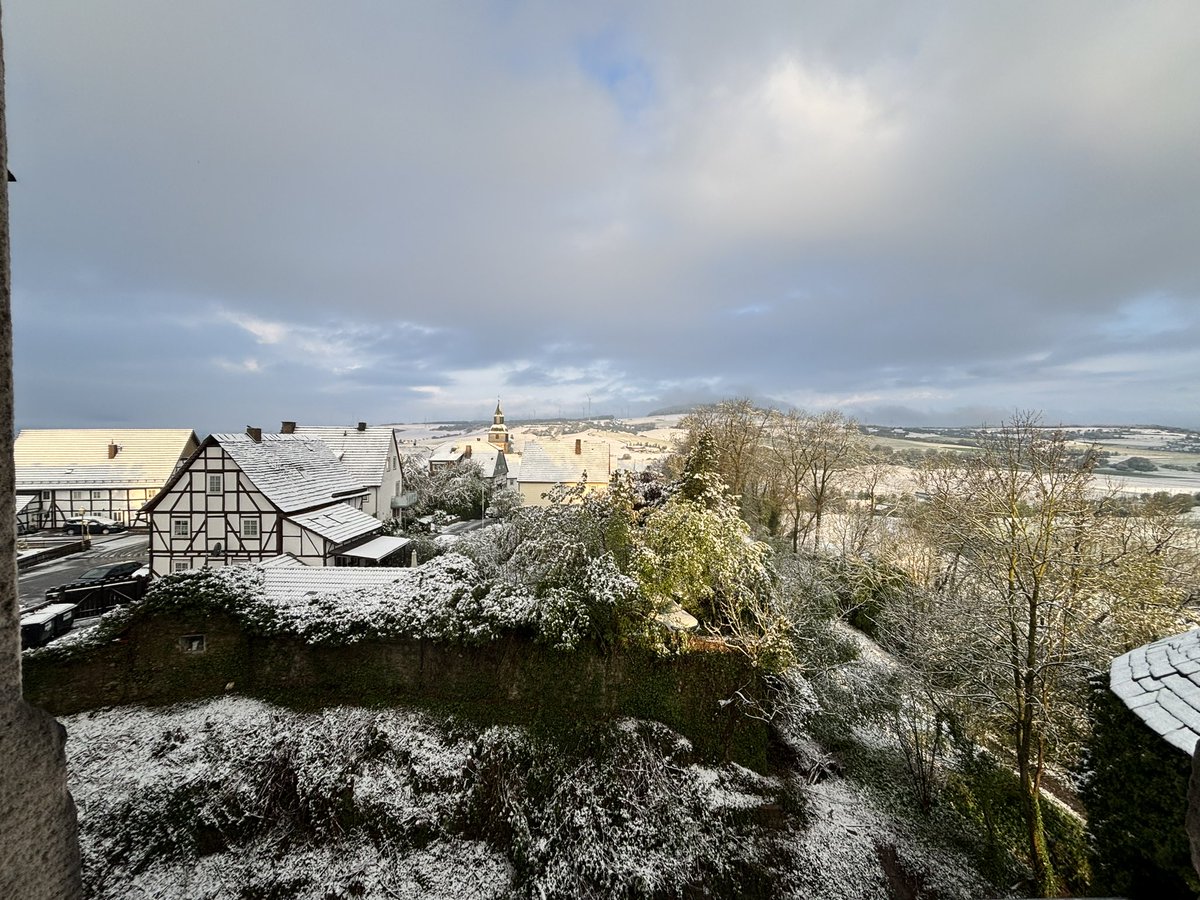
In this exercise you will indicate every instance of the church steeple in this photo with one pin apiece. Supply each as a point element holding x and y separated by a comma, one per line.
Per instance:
<point>498,433</point>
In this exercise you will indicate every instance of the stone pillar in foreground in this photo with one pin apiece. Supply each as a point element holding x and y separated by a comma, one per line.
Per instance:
<point>39,844</point>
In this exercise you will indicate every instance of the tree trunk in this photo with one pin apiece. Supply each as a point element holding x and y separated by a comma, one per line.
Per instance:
<point>1039,855</point>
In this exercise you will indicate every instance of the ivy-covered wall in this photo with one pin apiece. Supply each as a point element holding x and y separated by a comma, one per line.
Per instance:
<point>511,680</point>
<point>1135,789</point>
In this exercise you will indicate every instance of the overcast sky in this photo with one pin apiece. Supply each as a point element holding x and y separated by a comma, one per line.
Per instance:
<point>233,213</point>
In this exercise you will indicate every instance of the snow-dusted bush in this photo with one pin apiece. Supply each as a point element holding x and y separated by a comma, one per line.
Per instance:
<point>234,799</point>
<point>623,812</point>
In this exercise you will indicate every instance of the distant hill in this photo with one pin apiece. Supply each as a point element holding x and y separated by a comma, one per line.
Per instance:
<point>674,410</point>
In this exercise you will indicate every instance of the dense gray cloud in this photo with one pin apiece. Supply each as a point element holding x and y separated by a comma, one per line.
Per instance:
<point>238,212</point>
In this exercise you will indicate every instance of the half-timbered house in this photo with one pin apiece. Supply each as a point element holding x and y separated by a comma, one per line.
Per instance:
<point>247,497</point>
<point>108,472</point>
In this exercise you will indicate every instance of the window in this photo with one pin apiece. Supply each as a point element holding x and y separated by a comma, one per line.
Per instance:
<point>97,495</point>
<point>181,528</point>
<point>179,565</point>
<point>192,643</point>
<point>249,528</point>
<point>216,484</point>
<point>45,495</point>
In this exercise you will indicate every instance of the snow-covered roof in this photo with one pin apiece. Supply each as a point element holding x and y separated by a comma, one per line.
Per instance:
<point>46,458</point>
<point>283,561</point>
<point>557,462</point>
<point>291,583</point>
<point>364,453</point>
<point>337,523</point>
<point>1160,683</point>
<point>294,472</point>
<point>514,468</point>
<point>476,450</point>
<point>377,548</point>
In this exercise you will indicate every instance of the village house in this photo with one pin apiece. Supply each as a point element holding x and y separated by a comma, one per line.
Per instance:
<point>106,472</point>
<point>488,457</point>
<point>371,453</point>
<point>547,463</point>
<point>247,497</point>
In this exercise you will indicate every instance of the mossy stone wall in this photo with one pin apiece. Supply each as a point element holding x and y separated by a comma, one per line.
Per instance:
<point>512,680</point>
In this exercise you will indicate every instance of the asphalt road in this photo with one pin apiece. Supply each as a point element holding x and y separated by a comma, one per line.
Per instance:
<point>105,549</point>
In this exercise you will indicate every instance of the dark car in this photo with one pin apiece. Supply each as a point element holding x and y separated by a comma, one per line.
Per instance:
<point>95,525</point>
<point>104,573</point>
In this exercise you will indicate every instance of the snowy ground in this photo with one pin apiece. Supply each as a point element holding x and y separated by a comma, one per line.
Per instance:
<point>235,798</point>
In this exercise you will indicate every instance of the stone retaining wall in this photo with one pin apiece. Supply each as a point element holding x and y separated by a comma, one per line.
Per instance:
<point>161,661</point>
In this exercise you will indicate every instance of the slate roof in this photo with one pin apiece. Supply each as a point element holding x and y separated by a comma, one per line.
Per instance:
<point>295,473</point>
<point>1160,683</point>
<point>489,457</point>
<point>46,458</point>
<point>556,462</point>
<point>364,452</point>
<point>337,523</point>
<point>297,582</point>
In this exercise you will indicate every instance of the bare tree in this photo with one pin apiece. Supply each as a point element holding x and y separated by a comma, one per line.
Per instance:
<point>811,454</point>
<point>737,426</point>
<point>1025,606</point>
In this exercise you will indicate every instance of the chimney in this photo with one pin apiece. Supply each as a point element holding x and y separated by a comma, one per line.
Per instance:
<point>287,427</point>
<point>255,434</point>
<point>362,426</point>
<point>578,447</point>
<point>467,451</point>
<point>113,450</point>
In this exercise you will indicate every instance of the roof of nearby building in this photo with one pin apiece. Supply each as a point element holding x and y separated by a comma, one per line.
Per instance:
<point>295,473</point>
<point>556,462</point>
<point>487,456</point>
<point>79,457</point>
<point>365,453</point>
<point>291,583</point>
<point>1160,683</point>
<point>377,548</point>
<point>284,560</point>
<point>337,523</point>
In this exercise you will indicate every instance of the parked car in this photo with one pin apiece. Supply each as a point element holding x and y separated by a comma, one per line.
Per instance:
<point>104,573</point>
<point>95,525</point>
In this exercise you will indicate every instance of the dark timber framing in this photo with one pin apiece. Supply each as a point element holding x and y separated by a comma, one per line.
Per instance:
<point>192,528</point>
